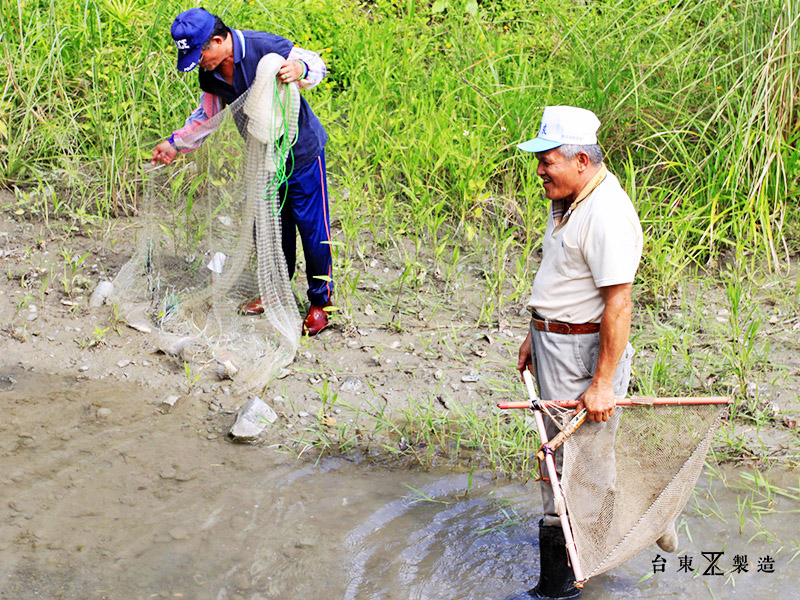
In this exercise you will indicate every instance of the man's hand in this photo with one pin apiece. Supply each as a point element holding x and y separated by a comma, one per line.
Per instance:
<point>291,70</point>
<point>599,402</point>
<point>524,359</point>
<point>164,153</point>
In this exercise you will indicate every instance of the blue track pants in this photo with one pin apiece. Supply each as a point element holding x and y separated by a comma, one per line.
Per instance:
<point>305,206</point>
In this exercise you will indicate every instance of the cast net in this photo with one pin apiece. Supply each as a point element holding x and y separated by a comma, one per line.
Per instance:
<point>625,483</point>
<point>211,241</point>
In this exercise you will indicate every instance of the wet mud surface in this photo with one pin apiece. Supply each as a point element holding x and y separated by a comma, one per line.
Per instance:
<point>107,494</point>
<point>137,505</point>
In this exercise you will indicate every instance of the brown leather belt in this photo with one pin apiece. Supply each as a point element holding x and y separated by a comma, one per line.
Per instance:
<point>567,328</point>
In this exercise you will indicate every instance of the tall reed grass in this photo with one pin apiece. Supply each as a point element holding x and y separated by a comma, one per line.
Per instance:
<point>426,101</point>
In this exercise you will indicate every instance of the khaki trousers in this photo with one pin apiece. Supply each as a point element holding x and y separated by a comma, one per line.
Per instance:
<point>563,367</point>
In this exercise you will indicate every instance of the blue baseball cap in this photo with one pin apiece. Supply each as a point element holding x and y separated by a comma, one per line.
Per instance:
<point>190,30</point>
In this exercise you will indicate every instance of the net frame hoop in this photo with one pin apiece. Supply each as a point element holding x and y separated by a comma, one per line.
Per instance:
<point>547,452</point>
<point>632,401</point>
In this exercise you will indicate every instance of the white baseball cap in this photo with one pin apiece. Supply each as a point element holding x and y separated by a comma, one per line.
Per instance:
<point>563,125</point>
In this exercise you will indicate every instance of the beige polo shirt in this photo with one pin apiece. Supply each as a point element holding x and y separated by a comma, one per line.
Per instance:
<point>599,245</point>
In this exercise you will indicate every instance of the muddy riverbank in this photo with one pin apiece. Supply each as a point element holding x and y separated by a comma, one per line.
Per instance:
<point>137,505</point>
<point>108,493</point>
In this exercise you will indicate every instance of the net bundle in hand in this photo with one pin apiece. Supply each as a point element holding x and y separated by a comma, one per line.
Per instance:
<point>624,485</point>
<point>211,240</point>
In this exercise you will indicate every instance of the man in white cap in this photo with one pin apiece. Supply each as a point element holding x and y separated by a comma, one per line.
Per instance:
<point>577,345</point>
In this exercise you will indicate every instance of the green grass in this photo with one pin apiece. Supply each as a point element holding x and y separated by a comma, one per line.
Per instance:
<point>424,435</point>
<point>424,107</point>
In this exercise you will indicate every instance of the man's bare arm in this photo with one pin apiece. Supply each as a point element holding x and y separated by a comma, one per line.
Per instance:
<point>615,328</point>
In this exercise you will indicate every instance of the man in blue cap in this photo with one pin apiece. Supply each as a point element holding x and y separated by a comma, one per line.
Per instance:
<point>228,59</point>
<point>577,344</point>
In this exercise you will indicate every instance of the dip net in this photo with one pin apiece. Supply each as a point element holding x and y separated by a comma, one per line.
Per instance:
<point>624,484</point>
<point>211,240</point>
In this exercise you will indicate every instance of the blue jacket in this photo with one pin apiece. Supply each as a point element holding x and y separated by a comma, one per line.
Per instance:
<point>248,49</point>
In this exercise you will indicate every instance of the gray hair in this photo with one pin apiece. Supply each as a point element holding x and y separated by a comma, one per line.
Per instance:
<point>593,151</point>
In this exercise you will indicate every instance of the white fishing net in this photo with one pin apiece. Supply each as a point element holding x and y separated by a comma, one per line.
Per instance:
<point>623,488</point>
<point>211,240</point>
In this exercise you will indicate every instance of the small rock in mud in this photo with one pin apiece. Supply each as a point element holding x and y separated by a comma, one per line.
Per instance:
<point>123,363</point>
<point>226,367</point>
<point>83,368</point>
<point>168,403</point>
<point>101,292</point>
<point>351,384</point>
<point>103,414</point>
<point>242,582</point>
<point>252,419</point>
<point>178,533</point>
<point>470,378</point>
<point>172,473</point>
<point>6,383</point>
<point>168,473</point>
<point>228,404</point>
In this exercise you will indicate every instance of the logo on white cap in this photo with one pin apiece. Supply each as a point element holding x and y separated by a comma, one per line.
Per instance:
<point>564,125</point>
<point>569,125</point>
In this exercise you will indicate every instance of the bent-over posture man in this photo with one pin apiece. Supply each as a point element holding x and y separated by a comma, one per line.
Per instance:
<point>577,345</point>
<point>228,59</point>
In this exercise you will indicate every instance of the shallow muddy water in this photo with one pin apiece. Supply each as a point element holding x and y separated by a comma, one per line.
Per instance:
<point>135,504</point>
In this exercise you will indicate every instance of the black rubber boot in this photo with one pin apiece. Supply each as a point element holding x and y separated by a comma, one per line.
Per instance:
<point>556,579</point>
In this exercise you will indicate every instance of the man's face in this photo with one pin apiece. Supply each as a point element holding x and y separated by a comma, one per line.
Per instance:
<point>212,56</point>
<point>560,176</point>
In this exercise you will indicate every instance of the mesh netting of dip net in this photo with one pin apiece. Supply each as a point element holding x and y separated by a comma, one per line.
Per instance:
<point>625,482</point>
<point>211,240</point>
<point>623,488</point>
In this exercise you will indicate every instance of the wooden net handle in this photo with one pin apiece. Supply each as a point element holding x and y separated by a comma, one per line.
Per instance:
<point>633,401</point>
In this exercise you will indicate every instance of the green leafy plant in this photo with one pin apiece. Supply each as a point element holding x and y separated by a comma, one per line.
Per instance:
<point>191,377</point>
<point>73,277</point>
